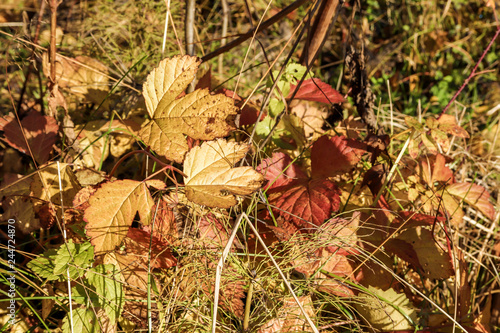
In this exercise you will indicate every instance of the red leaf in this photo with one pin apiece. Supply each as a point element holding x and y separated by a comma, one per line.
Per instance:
<point>317,91</point>
<point>137,244</point>
<point>336,155</point>
<point>272,169</point>
<point>436,171</point>
<point>306,201</point>
<point>474,195</point>
<point>40,131</point>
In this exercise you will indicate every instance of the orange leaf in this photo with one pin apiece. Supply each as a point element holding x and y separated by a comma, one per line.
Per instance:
<point>474,195</point>
<point>305,201</point>
<point>112,211</point>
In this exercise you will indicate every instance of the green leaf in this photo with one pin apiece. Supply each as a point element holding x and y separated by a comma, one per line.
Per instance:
<point>297,71</point>
<point>105,280</point>
<point>44,265</point>
<point>78,259</point>
<point>276,107</point>
<point>263,127</point>
<point>84,321</point>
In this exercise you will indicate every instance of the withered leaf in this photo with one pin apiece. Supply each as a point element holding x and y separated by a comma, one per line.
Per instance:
<point>199,115</point>
<point>211,179</point>
<point>112,210</point>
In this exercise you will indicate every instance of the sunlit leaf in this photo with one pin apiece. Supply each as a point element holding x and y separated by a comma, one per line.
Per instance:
<point>199,115</point>
<point>475,195</point>
<point>211,179</point>
<point>112,211</point>
<point>40,132</point>
<point>317,91</point>
<point>387,310</point>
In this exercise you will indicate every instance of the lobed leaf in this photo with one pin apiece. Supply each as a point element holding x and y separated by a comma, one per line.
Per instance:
<point>112,210</point>
<point>40,133</point>
<point>199,115</point>
<point>306,201</point>
<point>335,155</point>
<point>211,179</point>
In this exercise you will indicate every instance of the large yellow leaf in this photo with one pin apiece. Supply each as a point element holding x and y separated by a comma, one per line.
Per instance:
<point>211,179</point>
<point>386,310</point>
<point>199,115</point>
<point>112,210</point>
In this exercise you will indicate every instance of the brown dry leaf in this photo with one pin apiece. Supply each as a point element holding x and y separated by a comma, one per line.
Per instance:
<point>312,114</point>
<point>82,75</point>
<point>199,115</point>
<point>20,209</point>
<point>290,317</point>
<point>211,179</point>
<point>112,211</point>
<point>45,184</point>
<point>417,247</point>
<point>120,140</point>
<point>40,132</point>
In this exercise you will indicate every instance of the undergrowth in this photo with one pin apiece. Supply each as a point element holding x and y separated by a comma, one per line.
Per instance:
<point>145,190</point>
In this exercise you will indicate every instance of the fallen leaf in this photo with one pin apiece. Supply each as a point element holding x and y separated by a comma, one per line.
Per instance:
<point>475,195</point>
<point>317,91</point>
<point>199,115</point>
<point>112,210</point>
<point>211,179</point>
<point>386,310</point>
<point>417,247</point>
<point>46,181</point>
<point>140,244</point>
<point>336,155</point>
<point>279,170</point>
<point>82,75</point>
<point>306,201</point>
<point>312,115</point>
<point>40,132</point>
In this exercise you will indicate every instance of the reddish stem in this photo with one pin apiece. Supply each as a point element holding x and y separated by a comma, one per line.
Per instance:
<point>472,73</point>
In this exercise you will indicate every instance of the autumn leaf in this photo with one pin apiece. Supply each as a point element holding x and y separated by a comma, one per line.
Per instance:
<point>279,170</point>
<point>296,197</point>
<point>474,195</point>
<point>211,179</point>
<point>290,318</point>
<point>335,155</point>
<point>418,247</point>
<point>199,115</point>
<point>386,310</point>
<point>317,91</point>
<point>137,244</point>
<point>112,211</point>
<point>40,131</point>
<point>305,201</point>
<point>80,75</point>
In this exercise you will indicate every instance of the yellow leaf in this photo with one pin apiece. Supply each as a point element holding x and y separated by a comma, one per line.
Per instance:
<point>199,115</point>
<point>168,80</point>
<point>112,210</point>
<point>386,310</point>
<point>211,179</point>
